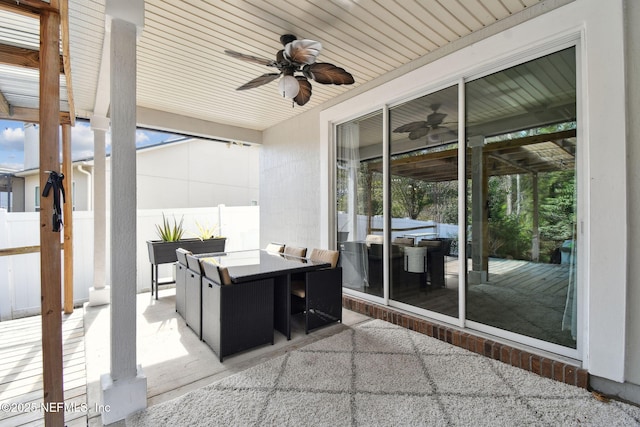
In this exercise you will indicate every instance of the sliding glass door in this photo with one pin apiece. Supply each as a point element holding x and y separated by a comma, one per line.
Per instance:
<point>424,202</point>
<point>518,275</point>
<point>521,139</point>
<point>359,200</point>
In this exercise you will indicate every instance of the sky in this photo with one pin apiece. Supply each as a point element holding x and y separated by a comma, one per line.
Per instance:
<point>12,142</point>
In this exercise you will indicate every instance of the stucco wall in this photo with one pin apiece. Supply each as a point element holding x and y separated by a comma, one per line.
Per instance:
<point>289,182</point>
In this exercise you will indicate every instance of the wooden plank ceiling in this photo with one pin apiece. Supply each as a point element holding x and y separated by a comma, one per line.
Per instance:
<point>182,68</point>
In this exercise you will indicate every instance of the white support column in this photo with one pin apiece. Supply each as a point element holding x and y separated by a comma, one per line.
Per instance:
<point>99,294</point>
<point>124,389</point>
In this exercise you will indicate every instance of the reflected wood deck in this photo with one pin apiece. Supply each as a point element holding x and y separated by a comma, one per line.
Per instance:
<point>520,296</point>
<point>21,370</point>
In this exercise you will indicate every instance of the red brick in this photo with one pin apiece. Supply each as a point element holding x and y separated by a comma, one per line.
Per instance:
<point>425,327</point>
<point>449,335</point>
<point>545,368</point>
<point>430,329</point>
<point>525,360</point>
<point>478,345</point>
<point>464,340</point>
<point>505,354</point>
<point>582,379</point>
<point>456,339</point>
<point>487,348</point>
<point>515,357</point>
<point>558,371</point>
<point>495,351</point>
<point>535,364</point>
<point>471,343</point>
<point>570,374</point>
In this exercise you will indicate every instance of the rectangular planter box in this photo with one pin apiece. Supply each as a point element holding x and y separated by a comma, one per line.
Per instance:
<point>165,252</point>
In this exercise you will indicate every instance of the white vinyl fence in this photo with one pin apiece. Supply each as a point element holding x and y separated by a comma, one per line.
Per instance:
<point>20,274</point>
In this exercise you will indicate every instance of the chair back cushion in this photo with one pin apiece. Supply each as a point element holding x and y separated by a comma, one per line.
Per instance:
<point>275,247</point>
<point>215,272</point>
<point>295,251</point>
<point>181,255</point>
<point>430,243</point>
<point>325,255</point>
<point>403,241</point>
<point>374,238</point>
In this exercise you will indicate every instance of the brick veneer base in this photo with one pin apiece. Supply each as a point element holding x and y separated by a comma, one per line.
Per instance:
<point>540,365</point>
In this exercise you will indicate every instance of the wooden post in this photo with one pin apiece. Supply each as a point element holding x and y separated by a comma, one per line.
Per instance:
<point>50,271</point>
<point>67,170</point>
<point>479,212</point>
<point>535,243</point>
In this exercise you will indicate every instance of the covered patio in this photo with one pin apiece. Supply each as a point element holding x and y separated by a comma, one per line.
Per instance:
<point>156,64</point>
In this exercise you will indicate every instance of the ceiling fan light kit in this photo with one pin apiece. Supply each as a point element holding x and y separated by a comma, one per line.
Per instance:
<point>289,87</point>
<point>298,56</point>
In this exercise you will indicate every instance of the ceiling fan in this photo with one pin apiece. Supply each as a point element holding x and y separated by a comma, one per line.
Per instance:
<point>298,56</point>
<point>421,128</point>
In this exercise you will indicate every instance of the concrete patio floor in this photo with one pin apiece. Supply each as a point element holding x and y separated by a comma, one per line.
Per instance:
<point>173,359</point>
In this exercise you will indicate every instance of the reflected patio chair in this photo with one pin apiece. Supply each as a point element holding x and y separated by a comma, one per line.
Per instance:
<point>436,251</point>
<point>403,241</point>
<point>319,293</point>
<point>295,251</point>
<point>415,261</point>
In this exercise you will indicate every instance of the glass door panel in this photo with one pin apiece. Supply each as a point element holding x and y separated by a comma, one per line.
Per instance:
<point>359,196</point>
<point>521,157</point>
<point>424,202</point>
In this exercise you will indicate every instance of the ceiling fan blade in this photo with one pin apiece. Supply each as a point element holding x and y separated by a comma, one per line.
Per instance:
<point>411,127</point>
<point>302,51</point>
<point>251,58</point>
<point>259,81</point>
<point>435,118</point>
<point>304,95</point>
<point>418,133</point>
<point>327,74</point>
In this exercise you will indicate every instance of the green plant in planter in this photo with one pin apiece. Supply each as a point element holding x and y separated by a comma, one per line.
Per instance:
<point>170,232</point>
<point>206,231</point>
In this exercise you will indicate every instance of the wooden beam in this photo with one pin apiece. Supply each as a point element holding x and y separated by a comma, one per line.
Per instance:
<point>66,57</point>
<point>67,170</point>
<point>19,251</point>
<point>28,7</point>
<point>23,57</point>
<point>22,250</point>
<point>5,108</point>
<point>50,270</point>
<point>32,115</point>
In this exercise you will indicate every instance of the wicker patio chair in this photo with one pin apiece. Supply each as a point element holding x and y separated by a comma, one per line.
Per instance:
<point>318,293</point>
<point>235,316</point>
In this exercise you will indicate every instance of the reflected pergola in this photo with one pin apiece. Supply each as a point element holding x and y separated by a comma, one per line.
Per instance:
<point>533,155</point>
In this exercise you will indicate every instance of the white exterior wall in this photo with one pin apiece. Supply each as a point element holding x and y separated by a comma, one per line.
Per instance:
<point>289,177</point>
<point>189,174</point>
<point>82,182</point>
<point>632,41</point>
<point>197,173</point>
<point>290,150</point>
